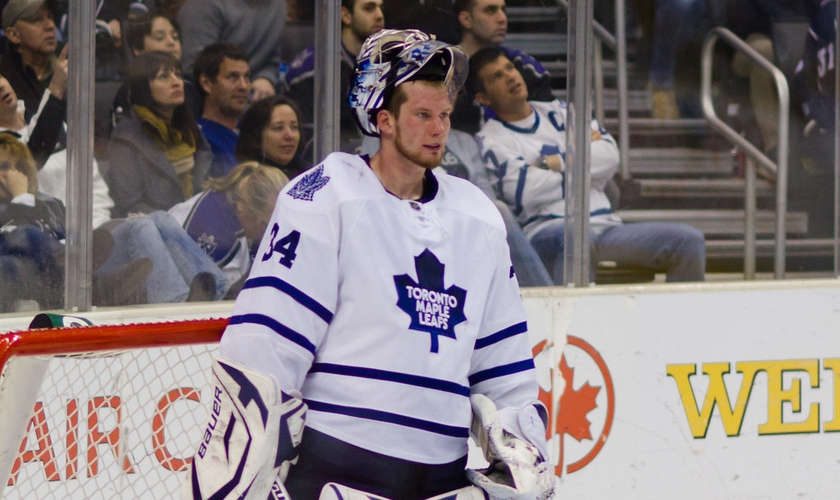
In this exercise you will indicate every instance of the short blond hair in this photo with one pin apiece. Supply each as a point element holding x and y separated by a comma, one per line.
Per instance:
<point>24,162</point>
<point>252,186</point>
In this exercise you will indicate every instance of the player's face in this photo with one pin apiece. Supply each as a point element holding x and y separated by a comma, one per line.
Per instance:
<point>8,98</point>
<point>230,90</point>
<point>163,37</point>
<point>167,88</point>
<point>487,21</point>
<point>366,18</point>
<point>281,137</point>
<point>35,34</point>
<point>504,86</point>
<point>423,125</point>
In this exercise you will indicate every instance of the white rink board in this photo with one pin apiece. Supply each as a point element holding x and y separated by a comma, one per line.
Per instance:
<point>650,451</point>
<point>787,333</point>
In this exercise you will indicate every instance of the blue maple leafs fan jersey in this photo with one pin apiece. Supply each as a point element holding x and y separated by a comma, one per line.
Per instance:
<point>385,313</point>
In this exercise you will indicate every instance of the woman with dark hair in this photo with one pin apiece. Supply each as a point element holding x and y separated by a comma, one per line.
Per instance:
<point>157,155</point>
<point>147,32</point>
<point>269,133</point>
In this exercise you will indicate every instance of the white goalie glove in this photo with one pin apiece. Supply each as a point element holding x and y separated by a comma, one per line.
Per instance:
<point>251,437</point>
<point>518,469</point>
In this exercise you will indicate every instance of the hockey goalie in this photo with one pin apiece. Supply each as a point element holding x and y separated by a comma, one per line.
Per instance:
<point>381,325</point>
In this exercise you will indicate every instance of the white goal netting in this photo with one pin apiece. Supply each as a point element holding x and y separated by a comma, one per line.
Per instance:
<point>119,424</point>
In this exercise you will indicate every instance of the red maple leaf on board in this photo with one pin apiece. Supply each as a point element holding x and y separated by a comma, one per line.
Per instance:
<point>575,405</point>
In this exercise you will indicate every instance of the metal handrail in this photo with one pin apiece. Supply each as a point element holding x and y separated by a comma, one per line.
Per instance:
<point>780,169</point>
<point>618,43</point>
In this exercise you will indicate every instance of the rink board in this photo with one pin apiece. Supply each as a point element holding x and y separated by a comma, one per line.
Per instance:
<point>641,368</point>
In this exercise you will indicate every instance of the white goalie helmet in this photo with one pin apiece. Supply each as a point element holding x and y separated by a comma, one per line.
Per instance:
<point>391,57</point>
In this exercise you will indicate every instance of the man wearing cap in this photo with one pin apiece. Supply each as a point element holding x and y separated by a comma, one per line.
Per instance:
<point>369,327</point>
<point>30,60</point>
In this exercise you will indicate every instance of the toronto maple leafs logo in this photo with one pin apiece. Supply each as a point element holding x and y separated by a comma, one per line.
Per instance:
<point>432,308</point>
<point>310,183</point>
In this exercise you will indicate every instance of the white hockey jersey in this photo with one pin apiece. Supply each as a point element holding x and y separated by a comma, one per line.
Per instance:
<point>510,150</point>
<point>385,313</point>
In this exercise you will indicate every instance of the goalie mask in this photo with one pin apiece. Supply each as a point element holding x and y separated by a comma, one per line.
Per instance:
<point>391,57</point>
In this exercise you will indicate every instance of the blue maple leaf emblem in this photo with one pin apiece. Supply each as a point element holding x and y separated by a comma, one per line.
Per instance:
<point>433,309</point>
<point>308,184</point>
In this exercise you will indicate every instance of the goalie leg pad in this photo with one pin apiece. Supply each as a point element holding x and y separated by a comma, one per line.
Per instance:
<point>251,437</point>
<point>517,470</point>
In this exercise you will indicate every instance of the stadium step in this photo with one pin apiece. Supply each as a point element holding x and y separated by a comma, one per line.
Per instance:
<point>805,247</point>
<point>679,162</point>
<point>700,188</point>
<point>728,223</point>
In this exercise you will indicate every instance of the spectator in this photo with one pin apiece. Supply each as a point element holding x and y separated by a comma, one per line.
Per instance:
<point>30,59</point>
<point>524,146</point>
<point>674,24</point>
<point>200,247</point>
<point>223,77</point>
<point>157,155</point>
<point>228,219</point>
<point>359,19</point>
<point>814,77</point>
<point>484,24</point>
<point>31,232</point>
<point>462,159</point>
<point>153,31</point>
<point>270,134</point>
<point>256,27</point>
<point>45,132</point>
<point>753,20</point>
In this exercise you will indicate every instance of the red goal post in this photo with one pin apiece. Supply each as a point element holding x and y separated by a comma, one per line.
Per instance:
<point>103,411</point>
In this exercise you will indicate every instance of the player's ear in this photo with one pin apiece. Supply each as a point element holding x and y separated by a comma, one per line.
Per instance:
<point>386,122</point>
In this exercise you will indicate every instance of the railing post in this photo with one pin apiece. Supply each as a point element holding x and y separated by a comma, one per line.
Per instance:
<point>578,149</point>
<point>327,46</point>
<point>80,98</point>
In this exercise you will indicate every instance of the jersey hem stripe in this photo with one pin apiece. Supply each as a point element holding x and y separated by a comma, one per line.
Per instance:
<point>295,293</point>
<point>501,371</point>
<point>391,418</point>
<point>388,376</point>
<point>279,328</point>
<point>499,336</point>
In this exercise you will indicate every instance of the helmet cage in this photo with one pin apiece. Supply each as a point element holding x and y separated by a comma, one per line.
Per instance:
<point>391,57</point>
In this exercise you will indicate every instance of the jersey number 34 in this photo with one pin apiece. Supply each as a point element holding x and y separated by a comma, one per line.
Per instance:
<point>285,246</point>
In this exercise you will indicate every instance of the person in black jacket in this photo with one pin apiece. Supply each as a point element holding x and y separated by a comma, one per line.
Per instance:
<point>32,232</point>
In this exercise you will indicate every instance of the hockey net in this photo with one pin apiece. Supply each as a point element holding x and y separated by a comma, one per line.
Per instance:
<point>103,412</point>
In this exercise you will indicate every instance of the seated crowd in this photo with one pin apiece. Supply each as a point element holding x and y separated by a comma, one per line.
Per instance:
<point>206,129</point>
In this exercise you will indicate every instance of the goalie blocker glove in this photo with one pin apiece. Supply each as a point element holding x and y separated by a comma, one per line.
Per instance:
<point>250,440</point>
<point>513,442</point>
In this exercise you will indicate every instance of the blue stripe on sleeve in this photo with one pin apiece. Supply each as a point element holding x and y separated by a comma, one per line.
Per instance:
<point>391,418</point>
<point>501,335</point>
<point>296,294</point>
<point>501,371</point>
<point>279,328</point>
<point>388,376</point>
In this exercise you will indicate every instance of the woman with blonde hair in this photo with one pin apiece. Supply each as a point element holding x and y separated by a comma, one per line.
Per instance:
<point>229,218</point>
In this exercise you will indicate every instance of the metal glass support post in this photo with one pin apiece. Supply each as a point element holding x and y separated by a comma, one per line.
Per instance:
<point>623,113</point>
<point>836,148</point>
<point>578,138</point>
<point>327,88</point>
<point>80,99</point>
